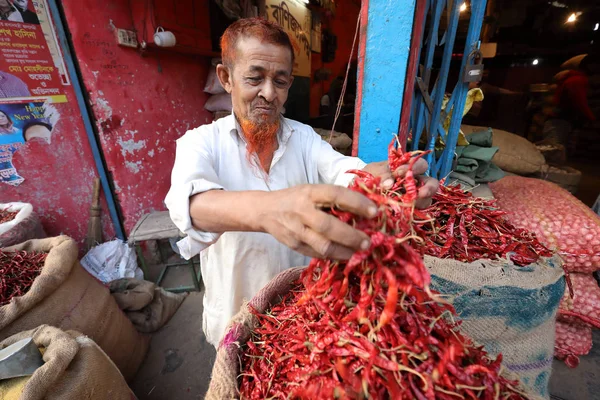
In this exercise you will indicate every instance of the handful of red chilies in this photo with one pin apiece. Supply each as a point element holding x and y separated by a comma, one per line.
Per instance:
<point>6,215</point>
<point>370,327</point>
<point>468,228</point>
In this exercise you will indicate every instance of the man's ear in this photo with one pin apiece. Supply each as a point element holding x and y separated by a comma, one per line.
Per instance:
<point>224,75</point>
<point>291,81</point>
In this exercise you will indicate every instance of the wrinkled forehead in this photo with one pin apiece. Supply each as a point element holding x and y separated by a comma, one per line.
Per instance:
<point>252,53</point>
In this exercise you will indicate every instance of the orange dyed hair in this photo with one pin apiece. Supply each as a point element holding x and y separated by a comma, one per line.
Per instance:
<point>259,28</point>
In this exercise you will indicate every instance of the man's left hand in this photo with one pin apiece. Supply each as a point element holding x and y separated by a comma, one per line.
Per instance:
<point>426,191</point>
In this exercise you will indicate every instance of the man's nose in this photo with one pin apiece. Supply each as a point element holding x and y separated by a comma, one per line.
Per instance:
<point>267,91</point>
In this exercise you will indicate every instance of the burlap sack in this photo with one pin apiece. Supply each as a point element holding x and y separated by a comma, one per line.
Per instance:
<point>26,228</point>
<point>75,368</point>
<point>224,377</point>
<point>147,306</point>
<point>508,309</point>
<point>68,297</point>
<point>515,153</point>
<point>223,382</point>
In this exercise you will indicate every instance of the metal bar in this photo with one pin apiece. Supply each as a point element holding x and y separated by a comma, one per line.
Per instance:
<point>432,39</point>
<point>426,71</point>
<point>477,11</point>
<point>163,272</point>
<point>389,26</point>
<point>140,254</point>
<point>413,62</point>
<point>87,120</point>
<point>443,76</point>
<point>193,271</point>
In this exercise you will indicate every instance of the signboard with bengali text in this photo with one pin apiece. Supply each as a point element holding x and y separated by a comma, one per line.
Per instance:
<point>295,18</point>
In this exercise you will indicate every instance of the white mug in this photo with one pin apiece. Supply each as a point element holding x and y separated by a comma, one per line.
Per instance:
<point>164,38</point>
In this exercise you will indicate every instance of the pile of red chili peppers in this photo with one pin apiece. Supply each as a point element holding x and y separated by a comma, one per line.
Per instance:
<point>6,215</point>
<point>468,228</point>
<point>370,327</point>
<point>18,270</point>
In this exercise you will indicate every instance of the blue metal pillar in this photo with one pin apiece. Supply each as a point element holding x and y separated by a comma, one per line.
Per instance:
<point>386,29</point>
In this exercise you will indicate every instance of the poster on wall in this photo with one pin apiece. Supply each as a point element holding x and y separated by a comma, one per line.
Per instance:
<point>295,18</point>
<point>20,124</point>
<point>28,70</point>
<point>41,7</point>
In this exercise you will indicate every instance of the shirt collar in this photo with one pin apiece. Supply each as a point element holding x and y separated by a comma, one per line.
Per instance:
<point>284,134</point>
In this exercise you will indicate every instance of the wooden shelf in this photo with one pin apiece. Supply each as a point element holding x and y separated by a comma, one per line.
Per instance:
<point>182,50</point>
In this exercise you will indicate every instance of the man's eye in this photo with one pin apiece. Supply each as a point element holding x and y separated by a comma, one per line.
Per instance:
<point>254,79</point>
<point>281,83</point>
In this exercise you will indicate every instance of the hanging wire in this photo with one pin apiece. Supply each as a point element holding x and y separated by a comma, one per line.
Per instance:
<point>343,92</point>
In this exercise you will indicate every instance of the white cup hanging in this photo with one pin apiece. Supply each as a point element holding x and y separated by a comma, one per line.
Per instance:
<point>164,38</point>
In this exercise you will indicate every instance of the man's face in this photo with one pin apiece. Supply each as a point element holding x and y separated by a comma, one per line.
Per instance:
<point>259,80</point>
<point>21,4</point>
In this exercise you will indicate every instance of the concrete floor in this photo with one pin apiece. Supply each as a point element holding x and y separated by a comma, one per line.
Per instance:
<point>581,383</point>
<point>179,362</point>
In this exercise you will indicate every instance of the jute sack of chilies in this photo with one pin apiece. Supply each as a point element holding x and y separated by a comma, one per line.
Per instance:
<point>24,226</point>
<point>65,295</point>
<point>508,309</point>
<point>74,368</point>
<point>224,377</point>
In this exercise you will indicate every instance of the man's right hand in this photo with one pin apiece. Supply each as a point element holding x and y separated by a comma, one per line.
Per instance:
<point>296,218</point>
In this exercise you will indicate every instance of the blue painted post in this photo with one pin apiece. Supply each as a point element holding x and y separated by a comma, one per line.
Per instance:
<point>385,47</point>
<point>477,13</point>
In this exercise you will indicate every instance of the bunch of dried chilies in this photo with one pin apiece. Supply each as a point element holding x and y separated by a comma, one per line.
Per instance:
<point>18,270</point>
<point>468,228</point>
<point>370,327</point>
<point>6,215</point>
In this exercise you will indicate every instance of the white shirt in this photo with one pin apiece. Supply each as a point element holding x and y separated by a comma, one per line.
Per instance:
<point>236,265</point>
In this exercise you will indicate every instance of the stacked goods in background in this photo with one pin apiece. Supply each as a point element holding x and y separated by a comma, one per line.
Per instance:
<point>370,326</point>
<point>219,102</point>
<point>515,154</point>
<point>568,226</point>
<point>18,223</point>
<point>74,368</point>
<point>63,294</point>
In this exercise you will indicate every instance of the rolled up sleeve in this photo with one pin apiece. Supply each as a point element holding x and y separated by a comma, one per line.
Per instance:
<point>193,173</point>
<point>333,165</point>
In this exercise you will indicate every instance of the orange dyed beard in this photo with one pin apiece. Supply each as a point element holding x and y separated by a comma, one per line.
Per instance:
<point>261,139</point>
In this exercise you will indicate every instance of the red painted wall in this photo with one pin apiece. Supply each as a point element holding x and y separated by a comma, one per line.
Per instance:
<point>343,25</point>
<point>142,104</point>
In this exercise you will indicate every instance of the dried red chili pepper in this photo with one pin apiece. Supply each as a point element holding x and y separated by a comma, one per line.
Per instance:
<point>480,230</point>
<point>18,270</point>
<point>6,215</point>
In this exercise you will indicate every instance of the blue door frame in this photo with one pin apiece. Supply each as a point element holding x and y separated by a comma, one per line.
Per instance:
<point>392,70</point>
<point>86,117</point>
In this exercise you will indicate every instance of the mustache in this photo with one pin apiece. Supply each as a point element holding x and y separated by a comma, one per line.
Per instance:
<point>264,104</point>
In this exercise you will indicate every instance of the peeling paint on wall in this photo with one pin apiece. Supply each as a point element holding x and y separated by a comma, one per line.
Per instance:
<point>139,110</point>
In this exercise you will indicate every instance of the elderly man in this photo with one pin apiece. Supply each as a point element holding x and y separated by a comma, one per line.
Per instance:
<point>248,189</point>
